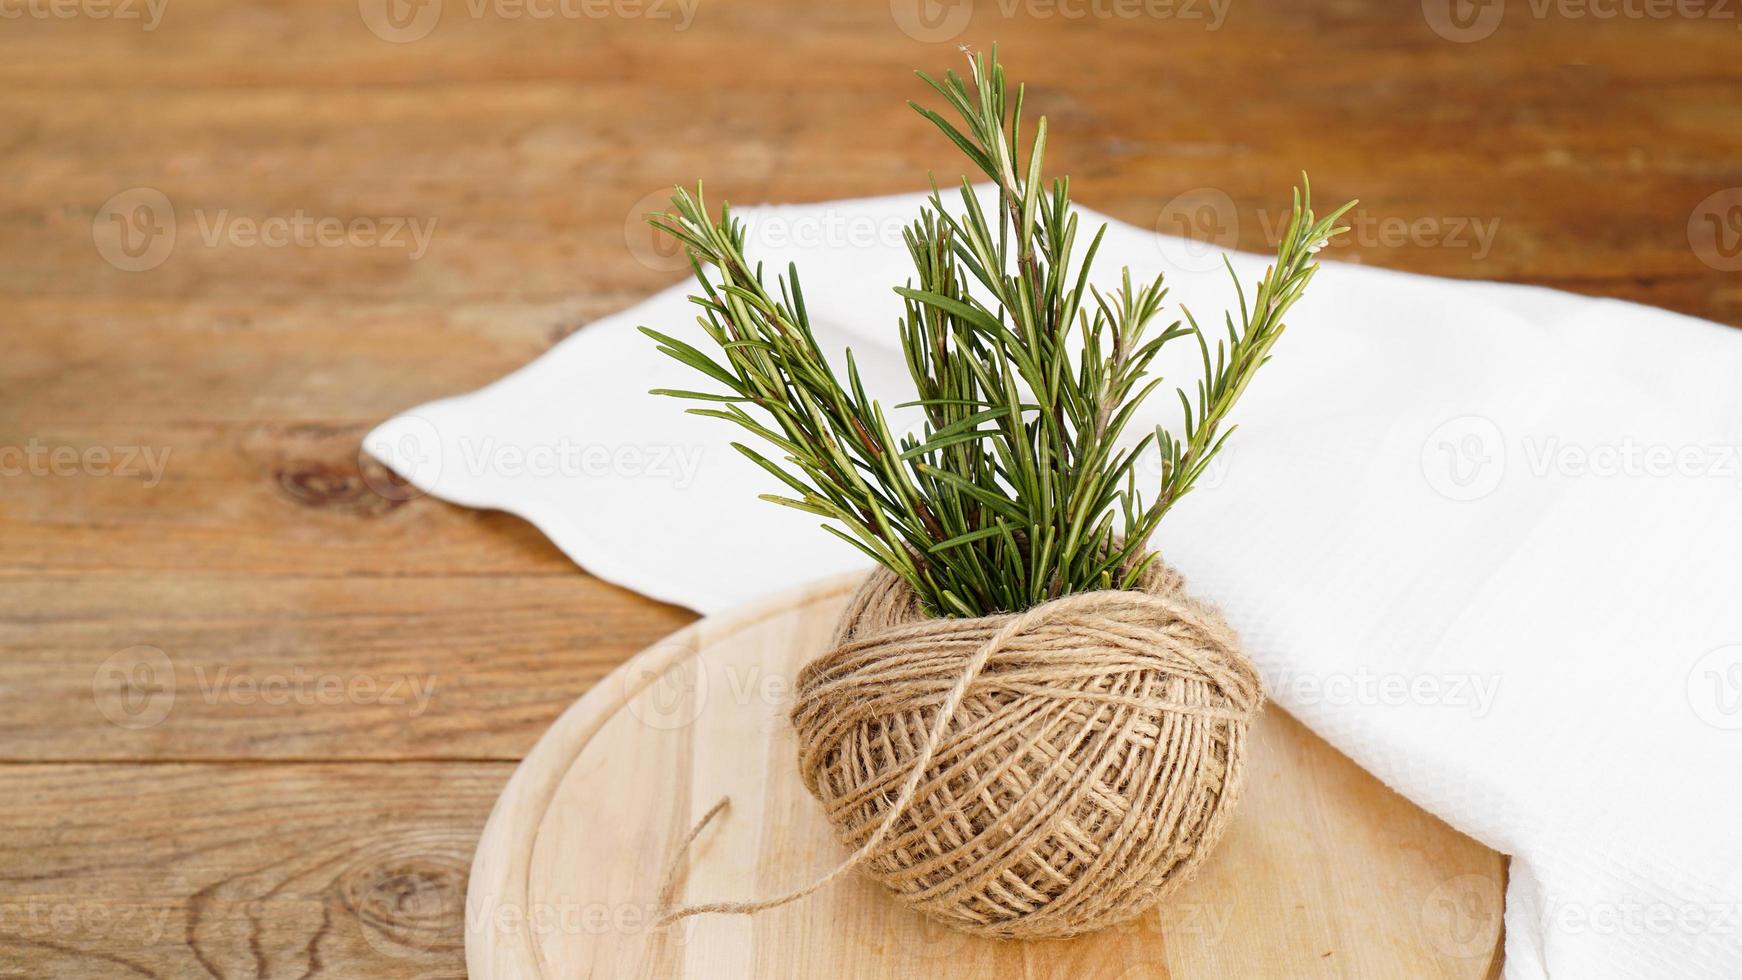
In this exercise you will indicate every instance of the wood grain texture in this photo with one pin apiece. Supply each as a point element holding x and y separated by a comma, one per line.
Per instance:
<point>307,668</point>
<point>237,870</point>
<point>264,549</point>
<point>1324,872</point>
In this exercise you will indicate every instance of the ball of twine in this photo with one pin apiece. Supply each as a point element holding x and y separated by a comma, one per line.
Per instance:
<point>1029,775</point>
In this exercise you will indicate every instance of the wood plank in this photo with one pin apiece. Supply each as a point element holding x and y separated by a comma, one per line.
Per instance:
<point>591,119</point>
<point>257,499</point>
<point>170,667</point>
<point>238,870</point>
<point>253,359</point>
<point>491,263</point>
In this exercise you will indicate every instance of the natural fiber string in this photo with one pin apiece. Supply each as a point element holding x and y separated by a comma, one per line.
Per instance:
<point>1053,811</point>
<point>902,799</point>
<point>674,868</point>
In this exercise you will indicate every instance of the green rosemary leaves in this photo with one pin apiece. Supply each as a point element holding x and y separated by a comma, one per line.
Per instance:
<point>1017,490</point>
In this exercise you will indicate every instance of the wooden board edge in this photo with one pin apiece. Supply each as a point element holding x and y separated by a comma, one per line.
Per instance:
<point>500,866</point>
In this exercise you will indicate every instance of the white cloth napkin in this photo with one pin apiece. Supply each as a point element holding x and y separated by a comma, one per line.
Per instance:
<point>1485,539</point>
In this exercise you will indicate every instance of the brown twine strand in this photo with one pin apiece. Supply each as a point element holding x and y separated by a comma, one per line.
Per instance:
<point>1029,775</point>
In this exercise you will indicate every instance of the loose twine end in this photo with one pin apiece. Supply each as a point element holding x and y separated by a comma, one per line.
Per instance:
<point>675,868</point>
<point>674,875</point>
<point>903,799</point>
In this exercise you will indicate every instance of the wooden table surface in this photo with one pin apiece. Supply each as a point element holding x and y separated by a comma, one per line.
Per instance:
<point>253,712</point>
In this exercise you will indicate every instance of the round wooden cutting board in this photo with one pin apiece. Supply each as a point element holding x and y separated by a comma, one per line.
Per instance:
<point>1324,872</point>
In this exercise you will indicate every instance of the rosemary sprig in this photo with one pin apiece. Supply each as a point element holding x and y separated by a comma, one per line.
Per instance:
<point>1017,491</point>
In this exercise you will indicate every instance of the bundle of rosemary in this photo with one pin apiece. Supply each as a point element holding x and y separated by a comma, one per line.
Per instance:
<point>1018,489</point>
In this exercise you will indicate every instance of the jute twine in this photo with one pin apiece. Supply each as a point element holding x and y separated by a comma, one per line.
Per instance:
<point>1023,776</point>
